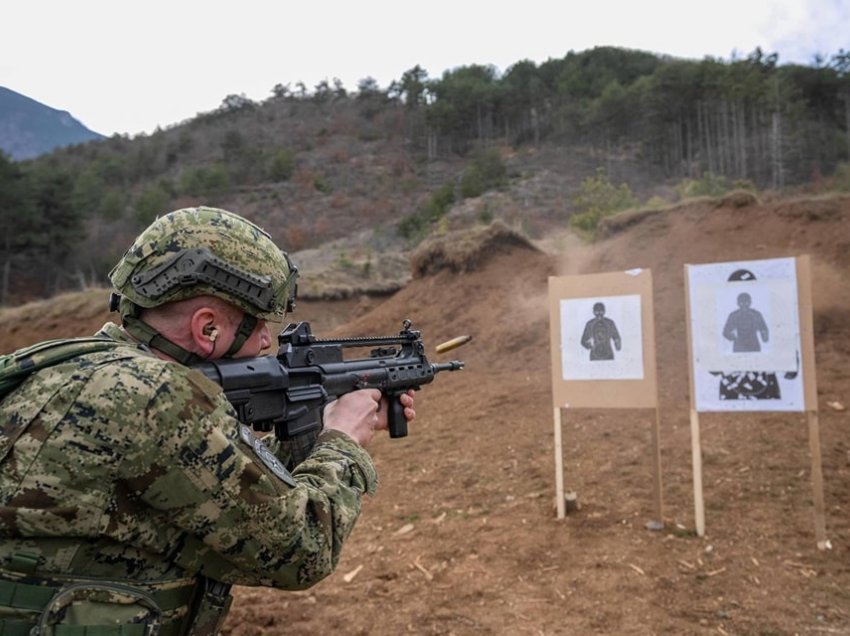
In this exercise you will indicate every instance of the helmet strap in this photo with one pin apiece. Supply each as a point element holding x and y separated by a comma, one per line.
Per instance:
<point>243,332</point>
<point>149,336</point>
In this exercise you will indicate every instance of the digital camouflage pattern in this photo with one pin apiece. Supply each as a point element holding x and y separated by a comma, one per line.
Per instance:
<point>233,239</point>
<point>129,468</point>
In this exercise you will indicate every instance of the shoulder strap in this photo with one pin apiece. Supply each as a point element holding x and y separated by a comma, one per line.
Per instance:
<point>16,367</point>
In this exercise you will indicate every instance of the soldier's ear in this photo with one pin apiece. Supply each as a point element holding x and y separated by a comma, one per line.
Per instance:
<point>204,330</point>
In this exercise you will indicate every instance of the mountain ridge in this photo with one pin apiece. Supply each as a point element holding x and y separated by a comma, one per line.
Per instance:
<point>29,128</point>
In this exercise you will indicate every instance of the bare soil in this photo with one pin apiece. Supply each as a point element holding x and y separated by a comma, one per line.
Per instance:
<point>462,537</point>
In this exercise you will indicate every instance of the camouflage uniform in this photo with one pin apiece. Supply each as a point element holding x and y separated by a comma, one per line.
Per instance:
<point>121,467</point>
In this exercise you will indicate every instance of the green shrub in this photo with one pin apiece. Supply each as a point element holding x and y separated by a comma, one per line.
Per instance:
<point>709,185</point>
<point>598,197</point>
<point>321,185</point>
<point>343,261</point>
<point>485,172</point>
<point>745,184</point>
<point>442,198</point>
<point>486,215</point>
<point>112,204</point>
<point>152,202</point>
<point>416,226</point>
<point>204,180</point>
<point>585,221</point>
<point>281,165</point>
<point>472,184</point>
<point>656,202</point>
<point>842,177</point>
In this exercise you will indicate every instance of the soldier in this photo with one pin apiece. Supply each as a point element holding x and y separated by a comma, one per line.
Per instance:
<point>132,498</point>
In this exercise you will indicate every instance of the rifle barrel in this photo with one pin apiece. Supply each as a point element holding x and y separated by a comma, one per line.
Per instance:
<point>454,365</point>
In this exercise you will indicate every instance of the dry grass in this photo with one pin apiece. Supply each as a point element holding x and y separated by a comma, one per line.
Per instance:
<point>465,250</point>
<point>738,199</point>
<point>814,208</point>
<point>332,274</point>
<point>611,225</point>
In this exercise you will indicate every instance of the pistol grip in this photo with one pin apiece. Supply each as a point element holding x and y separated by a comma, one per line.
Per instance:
<point>395,418</point>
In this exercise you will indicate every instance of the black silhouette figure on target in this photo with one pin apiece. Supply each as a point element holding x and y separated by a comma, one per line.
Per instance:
<point>599,334</point>
<point>743,328</point>
<point>745,325</point>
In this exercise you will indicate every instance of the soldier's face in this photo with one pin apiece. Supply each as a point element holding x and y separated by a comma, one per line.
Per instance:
<point>260,340</point>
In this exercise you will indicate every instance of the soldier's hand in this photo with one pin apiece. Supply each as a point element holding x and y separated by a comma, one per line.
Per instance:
<point>407,401</point>
<point>356,414</point>
<point>360,413</point>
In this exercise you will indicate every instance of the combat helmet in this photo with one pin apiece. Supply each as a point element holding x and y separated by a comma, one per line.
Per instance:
<point>202,251</point>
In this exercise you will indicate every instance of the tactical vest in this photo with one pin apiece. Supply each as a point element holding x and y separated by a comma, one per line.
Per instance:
<point>35,605</point>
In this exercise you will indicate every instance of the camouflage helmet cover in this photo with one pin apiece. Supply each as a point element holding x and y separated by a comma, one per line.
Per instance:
<point>206,251</point>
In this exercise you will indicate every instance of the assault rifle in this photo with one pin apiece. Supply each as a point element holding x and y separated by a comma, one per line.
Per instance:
<point>288,392</point>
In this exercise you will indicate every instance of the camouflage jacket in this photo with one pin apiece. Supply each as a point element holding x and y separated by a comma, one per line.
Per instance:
<point>131,468</point>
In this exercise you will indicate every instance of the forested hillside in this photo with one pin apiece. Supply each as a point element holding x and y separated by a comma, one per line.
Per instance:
<point>576,137</point>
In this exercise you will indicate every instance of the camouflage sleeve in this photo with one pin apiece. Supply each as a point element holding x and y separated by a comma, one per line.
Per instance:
<point>294,451</point>
<point>239,522</point>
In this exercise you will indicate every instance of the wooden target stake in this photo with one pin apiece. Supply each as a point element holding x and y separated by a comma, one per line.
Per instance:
<point>627,379</point>
<point>808,404</point>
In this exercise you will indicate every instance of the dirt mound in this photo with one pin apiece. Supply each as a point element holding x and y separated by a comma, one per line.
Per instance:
<point>466,250</point>
<point>462,538</point>
<point>73,314</point>
<point>341,271</point>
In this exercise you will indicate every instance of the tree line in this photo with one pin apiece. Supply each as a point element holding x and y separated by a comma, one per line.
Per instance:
<point>748,118</point>
<point>751,119</point>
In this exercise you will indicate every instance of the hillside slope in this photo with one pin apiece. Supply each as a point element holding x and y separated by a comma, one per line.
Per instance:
<point>462,537</point>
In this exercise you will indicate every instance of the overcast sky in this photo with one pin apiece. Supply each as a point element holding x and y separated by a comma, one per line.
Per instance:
<point>128,67</point>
